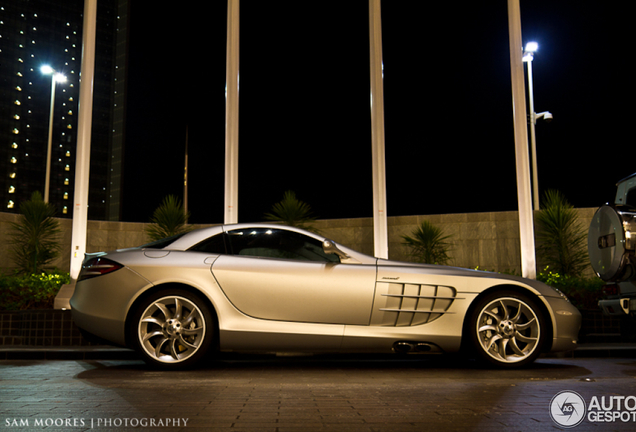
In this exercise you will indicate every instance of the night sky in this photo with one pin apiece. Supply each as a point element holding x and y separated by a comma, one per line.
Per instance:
<point>305,113</point>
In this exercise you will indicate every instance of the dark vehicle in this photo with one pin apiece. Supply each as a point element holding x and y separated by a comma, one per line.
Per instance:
<point>612,249</point>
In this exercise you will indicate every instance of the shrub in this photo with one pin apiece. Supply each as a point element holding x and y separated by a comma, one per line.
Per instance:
<point>169,219</point>
<point>31,291</point>
<point>561,241</point>
<point>583,292</point>
<point>34,238</point>
<point>292,212</point>
<point>428,244</point>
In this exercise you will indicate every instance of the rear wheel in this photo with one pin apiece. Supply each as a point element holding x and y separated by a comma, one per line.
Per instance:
<point>173,329</point>
<point>507,329</point>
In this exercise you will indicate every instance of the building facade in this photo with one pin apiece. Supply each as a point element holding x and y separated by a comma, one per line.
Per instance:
<point>34,33</point>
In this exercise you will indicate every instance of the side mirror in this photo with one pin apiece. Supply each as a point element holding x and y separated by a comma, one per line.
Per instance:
<point>329,247</point>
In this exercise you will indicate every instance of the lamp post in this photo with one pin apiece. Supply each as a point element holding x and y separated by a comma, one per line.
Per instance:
<point>55,77</point>
<point>528,56</point>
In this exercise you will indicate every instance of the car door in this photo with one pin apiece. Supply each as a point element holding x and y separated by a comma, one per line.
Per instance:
<point>285,276</point>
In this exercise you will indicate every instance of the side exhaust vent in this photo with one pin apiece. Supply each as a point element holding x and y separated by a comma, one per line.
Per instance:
<point>415,347</point>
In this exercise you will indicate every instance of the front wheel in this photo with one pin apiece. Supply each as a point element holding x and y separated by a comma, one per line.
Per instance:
<point>507,329</point>
<point>173,329</point>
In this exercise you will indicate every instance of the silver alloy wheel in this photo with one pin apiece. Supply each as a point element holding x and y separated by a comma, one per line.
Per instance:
<point>508,330</point>
<point>171,329</point>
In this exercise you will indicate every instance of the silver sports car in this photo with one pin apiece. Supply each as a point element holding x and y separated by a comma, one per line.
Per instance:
<point>270,288</point>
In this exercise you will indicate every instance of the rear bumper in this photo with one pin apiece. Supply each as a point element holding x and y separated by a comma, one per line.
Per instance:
<point>619,306</point>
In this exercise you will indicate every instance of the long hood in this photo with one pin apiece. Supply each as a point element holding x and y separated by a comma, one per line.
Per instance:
<point>497,278</point>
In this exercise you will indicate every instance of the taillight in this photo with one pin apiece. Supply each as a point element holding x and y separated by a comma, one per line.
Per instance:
<point>97,267</point>
<point>611,290</point>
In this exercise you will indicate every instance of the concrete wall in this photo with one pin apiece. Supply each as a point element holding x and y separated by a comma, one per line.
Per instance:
<point>489,241</point>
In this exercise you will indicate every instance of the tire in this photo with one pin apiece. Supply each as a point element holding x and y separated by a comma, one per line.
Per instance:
<point>506,329</point>
<point>173,329</point>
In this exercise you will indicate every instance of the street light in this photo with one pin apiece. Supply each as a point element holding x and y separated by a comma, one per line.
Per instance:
<point>528,56</point>
<point>55,77</point>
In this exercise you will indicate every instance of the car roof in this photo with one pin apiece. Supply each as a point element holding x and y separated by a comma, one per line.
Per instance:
<point>193,237</point>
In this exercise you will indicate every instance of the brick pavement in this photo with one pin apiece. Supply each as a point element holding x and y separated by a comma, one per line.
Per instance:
<point>340,393</point>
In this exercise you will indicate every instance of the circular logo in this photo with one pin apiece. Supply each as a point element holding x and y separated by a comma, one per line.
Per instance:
<point>567,409</point>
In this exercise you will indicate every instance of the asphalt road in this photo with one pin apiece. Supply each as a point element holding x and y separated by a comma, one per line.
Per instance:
<point>320,393</point>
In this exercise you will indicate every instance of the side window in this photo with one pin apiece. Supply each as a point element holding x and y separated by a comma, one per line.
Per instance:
<point>273,243</point>
<point>630,199</point>
<point>213,245</point>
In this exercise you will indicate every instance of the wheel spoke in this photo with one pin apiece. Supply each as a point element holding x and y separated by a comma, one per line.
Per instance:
<point>515,347</point>
<point>525,339</point>
<point>173,349</point>
<point>531,323</point>
<point>487,327</point>
<point>505,310</point>
<point>502,348</point>
<point>166,312</point>
<point>192,332</point>
<point>153,334</point>
<point>492,315</point>
<point>493,341</point>
<point>186,343</point>
<point>153,320</point>
<point>177,309</point>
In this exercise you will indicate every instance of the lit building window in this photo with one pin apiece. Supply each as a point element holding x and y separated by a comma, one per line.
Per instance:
<point>16,131</point>
<point>13,160</point>
<point>10,204</point>
<point>12,175</point>
<point>14,145</point>
<point>11,189</point>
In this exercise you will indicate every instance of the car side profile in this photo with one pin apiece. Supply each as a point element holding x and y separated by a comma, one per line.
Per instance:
<point>272,288</point>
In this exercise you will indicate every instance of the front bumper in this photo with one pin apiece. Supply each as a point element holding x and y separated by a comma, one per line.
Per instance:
<point>567,323</point>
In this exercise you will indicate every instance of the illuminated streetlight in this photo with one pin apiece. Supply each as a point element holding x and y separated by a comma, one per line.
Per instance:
<point>55,77</point>
<point>528,56</point>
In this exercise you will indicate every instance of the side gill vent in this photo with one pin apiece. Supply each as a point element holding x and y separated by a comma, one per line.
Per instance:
<point>403,305</point>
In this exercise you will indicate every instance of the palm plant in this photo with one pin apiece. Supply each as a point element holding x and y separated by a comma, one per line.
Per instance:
<point>34,238</point>
<point>562,242</point>
<point>428,244</point>
<point>168,219</point>
<point>293,212</point>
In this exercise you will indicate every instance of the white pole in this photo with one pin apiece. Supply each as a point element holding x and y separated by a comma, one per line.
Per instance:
<point>533,139</point>
<point>83,152</point>
<point>526,228</point>
<point>380,232</point>
<point>185,176</point>
<point>232,113</point>
<point>49,143</point>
